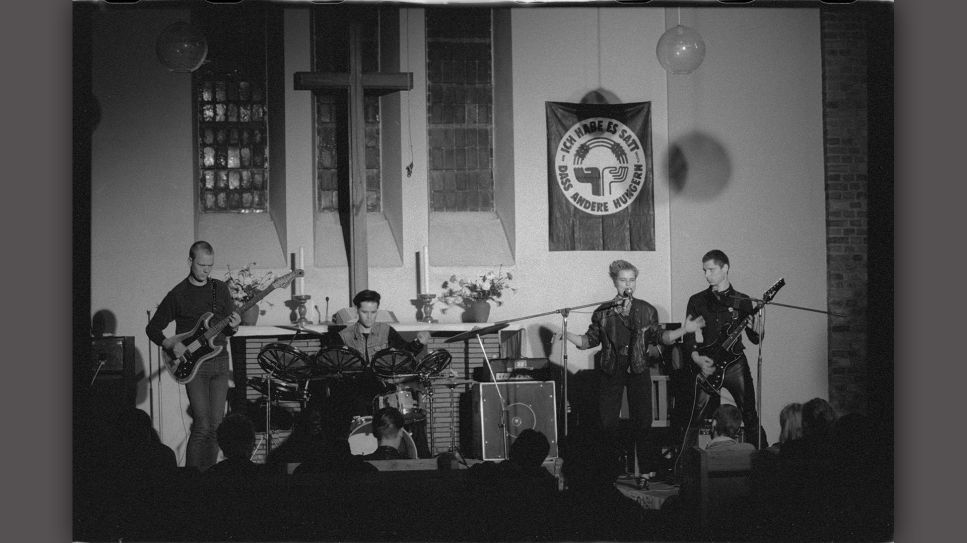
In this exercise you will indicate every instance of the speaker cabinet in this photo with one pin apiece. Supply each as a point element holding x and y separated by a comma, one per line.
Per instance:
<point>111,374</point>
<point>529,405</point>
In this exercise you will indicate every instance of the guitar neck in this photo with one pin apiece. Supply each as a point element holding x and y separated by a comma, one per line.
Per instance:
<point>734,336</point>
<point>220,325</point>
<point>766,297</point>
<point>280,282</point>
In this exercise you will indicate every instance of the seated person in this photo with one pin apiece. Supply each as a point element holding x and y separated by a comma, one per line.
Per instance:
<point>591,506</point>
<point>307,438</point>
<point>790,425</point>
<point>387,427</point>
<point>236,439</point>
<point>140,456</point>
<point>526,459</point>
<point>725,430</point>
<point>366,336</point>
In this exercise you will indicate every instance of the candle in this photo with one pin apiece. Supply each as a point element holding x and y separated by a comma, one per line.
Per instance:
<point>302,266</point>
<point>425,270</point>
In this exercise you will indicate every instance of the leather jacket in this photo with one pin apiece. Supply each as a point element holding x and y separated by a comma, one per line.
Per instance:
<point>603,330</point>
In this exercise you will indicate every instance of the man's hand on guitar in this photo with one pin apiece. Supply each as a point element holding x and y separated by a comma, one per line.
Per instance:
<point>234,319</point>
<point>178,349</point>
<point>706,364</point>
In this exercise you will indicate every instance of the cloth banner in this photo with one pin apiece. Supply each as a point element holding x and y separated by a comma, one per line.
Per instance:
<point>600,177</point>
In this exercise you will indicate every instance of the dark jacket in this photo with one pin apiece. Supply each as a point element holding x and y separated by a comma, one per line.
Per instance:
<point>603,330</point>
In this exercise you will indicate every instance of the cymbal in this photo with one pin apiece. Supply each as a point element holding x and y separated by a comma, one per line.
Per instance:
<point>477,331</point>
<point>306,330</point>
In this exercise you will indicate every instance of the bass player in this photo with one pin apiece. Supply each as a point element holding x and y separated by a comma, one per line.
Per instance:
<point>185,304</point>
<point>721,306</point>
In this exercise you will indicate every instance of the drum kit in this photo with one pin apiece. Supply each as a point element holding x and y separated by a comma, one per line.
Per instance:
<point>405,378</point>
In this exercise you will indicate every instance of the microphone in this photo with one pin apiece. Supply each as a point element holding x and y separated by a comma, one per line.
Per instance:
<point>627,293</point>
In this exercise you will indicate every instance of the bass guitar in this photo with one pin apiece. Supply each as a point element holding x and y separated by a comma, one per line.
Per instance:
<point>726,351</point>
<point>198,340</point>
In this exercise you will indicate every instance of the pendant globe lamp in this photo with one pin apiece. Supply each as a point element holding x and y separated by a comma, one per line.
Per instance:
<point>681,49</point>
<point>181,47</point>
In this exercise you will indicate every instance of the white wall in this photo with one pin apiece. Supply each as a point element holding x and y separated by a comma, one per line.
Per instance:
<point>757,97</point>
<point>749,121</point>
<point>142,214</point>
<point>556,54</point>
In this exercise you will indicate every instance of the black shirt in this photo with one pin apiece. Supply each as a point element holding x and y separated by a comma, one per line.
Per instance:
<point>720,309</point>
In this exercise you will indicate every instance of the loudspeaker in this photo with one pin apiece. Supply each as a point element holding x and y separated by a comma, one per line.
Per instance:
<point>116,352</point>
<point>112,385</point>
<point>529,405</point>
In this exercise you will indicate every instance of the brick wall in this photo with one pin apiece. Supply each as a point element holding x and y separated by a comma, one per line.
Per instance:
<point>845,41</point>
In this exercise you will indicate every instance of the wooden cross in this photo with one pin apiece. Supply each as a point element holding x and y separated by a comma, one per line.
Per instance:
<point>358,83</point>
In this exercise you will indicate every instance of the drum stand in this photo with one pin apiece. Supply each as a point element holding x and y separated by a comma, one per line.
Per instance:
<point>268,414</point>
<point>429,412</point>
<point>453,434</point>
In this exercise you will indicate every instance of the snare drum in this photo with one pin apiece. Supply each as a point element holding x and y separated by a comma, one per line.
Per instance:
<point>405,401</point>
<point>285,362</point>
<point>362,440</point>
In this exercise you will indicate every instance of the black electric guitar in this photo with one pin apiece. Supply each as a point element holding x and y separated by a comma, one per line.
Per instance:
<point>726,351</point>
<point>198,340</point>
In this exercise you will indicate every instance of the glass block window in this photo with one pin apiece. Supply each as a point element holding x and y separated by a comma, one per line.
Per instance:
<point>331,54</point>
<point>233,145</point>
<point>231,115</point>
<point>459,67</point>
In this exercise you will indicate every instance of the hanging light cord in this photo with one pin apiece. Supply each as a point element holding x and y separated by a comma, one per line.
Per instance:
<point>598,11</point>
<point>406,61</point>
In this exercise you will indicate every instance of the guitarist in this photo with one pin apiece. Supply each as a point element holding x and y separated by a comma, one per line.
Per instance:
<point>191,298</point>
<point>721,306</point>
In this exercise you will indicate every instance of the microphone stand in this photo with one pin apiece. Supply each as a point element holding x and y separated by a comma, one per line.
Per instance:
<point>150,373</point>
<point>564,311</point>
<point>762,338</point>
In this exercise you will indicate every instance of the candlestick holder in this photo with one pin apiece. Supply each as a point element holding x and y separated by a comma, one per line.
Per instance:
<point>426,302</point>
<point>301,299</point>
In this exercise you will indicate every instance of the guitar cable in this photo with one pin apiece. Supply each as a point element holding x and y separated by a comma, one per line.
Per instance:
<point>102,359</point>
<point>691,417</point>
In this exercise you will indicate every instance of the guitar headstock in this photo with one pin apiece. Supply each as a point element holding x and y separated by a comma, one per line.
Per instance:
<point>769,294</point>
<point>287,278</point>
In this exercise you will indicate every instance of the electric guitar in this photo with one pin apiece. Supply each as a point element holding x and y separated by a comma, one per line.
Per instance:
<point>198,340</point>
<point>726,351</point>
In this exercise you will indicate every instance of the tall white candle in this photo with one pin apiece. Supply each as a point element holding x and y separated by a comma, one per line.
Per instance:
<point>425,270</point>
<point>302,266</point>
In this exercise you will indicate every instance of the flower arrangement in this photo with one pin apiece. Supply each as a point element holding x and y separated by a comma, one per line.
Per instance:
<point>244,284</point>
<point>487,287</point>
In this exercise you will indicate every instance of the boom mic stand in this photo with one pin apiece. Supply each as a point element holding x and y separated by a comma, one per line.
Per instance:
<point>762,338</point>
<point>564,311</point>
<point>477,332</point>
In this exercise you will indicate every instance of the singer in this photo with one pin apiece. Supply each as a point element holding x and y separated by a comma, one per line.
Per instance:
<point>629,334</point>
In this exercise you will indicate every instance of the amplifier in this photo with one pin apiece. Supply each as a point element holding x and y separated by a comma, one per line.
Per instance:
<point>525,406</point>
<point>515,369</point>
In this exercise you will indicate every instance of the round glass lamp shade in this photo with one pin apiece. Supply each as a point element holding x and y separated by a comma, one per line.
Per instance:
<point>681,50</point>
<point>181,47</point>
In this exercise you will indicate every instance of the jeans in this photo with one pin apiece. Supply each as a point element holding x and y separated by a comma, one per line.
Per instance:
<point>207,394</point>
<point>639,408</point>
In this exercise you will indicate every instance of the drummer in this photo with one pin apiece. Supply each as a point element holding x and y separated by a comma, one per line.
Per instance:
<point>369,337</point>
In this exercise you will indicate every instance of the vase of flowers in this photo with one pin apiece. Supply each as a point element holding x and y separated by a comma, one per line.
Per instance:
<point>475,295</point>
<point>244,285</point>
